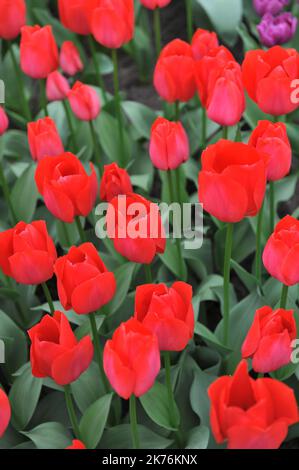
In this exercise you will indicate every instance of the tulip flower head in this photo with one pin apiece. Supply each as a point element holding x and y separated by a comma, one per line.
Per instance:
<point>203,42</point>
<point>4,123</point>
<point>43,139</point>
<point>5,412</point>
<point>269,340</point>
<point>69,59</point>
<point>84,102</point>
<point>57,87</point>
<point>115,181</point>
<point>234,401</point>
<point>12,18</point>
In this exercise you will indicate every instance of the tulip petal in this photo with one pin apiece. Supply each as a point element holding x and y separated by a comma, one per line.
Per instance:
<point>91,295</point>
<point>31,267</point>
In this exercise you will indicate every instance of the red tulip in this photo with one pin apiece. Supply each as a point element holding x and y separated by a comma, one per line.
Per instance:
<point>132,359</point>
<point>76,445</point>
<point>251,414</point>
<point>115,181</point>
<point>167,312</point>
<point>220,87</point>
<point>12,18</point>
<point>174,78</point>
<point>272,139</point>
<point>232,182</point>
<point>5,412</point>
<point>38,51</point>
<point>67,189</point>
<point>4,123</point>
<point>55,351</point>
<point>169,144</point>
<point>152,4</point>
<point>134,224</point>
<point>43,138</point>
<point>269,339</point>
<point>70,60</point>
<point>83,281</point>
<point>268,76</point>
<point>76,14</point>
<point>57,87</point>
<point>84,101</point>
<point>112,22</point>
<point>203,42</point>
<point>28,253</point>
<point>281,253</point>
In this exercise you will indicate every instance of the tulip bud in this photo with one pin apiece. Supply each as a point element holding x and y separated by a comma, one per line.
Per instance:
<point>12,18</point>
<point>4,123</point>
<point>269,6</point>
<point>83,281</point>
<point>38,51</point>
<point>76,445</point>
<point>67,189</point>
<point>269,340</point>
<point>70,60</point>
<point>132,359</point>
<point>112,22</point>
<point>57,87</point>
<point>84,101</point>
<point>174,78</point>
<point>272,139</point>
<point>114,181</point>
<point>169,145</point>
<point>281,253</point>
<point>43,138</point>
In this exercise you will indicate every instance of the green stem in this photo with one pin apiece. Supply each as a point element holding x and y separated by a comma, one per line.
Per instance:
<point>117,103</point>
<point>284,296</point>
<point>133,421</point>
<point>203,128</point>
<point>148,273</point>
<point>19,305</point>
<point>20,83</point>
<point>272,205</point>
<point>66,234</point>
<point>96,146</point>
<point>6,193</point>
<point>226,281</point>
<point>177,111</point>
<point>224,132</point>
<point>80,229</point>
<point>98,350</point>
<point>43,97</point>
<point>177,240</point>
<point>71,411</point>
<point>157,30</point>
<point>189,19</point>
<point>97,67</point>
<point>48,297</point>
<point>70,124</point>
<point>171,400</point>
<point>258,257</point>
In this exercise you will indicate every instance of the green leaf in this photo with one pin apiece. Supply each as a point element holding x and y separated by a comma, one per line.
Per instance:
<point>141,117</point>
<point>119,437</point>
<point>94,420</point>
<point>198,438</point>
<point>156,404</point>
<point>107,129</point>
<point>16,347</point>
<point>88,388</point>
<point>199,395</point>
<point>49,436</point>
<point>24,195</point>
<point>225,16</point>
<point>123,276</point>
<point>207,335</point>
<point>171,260</point>
<point>24,396</point>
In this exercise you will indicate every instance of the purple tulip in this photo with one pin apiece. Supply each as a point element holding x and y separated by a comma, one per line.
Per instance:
<point>269,6</point>
<point>275,30</point>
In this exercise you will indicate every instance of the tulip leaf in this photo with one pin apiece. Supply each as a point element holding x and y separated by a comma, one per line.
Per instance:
<point>142,117</point>
<point>120,437</point>
<point>171,260</point>
<point>24,195</point>
<point>49,436</point>
<point>88,388</point>
<point>123,276</point>
<point>156,404</point>
<point>16,347</point>
<point>24,396</point>
<point>198,438</point>
<point>94,420</point>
